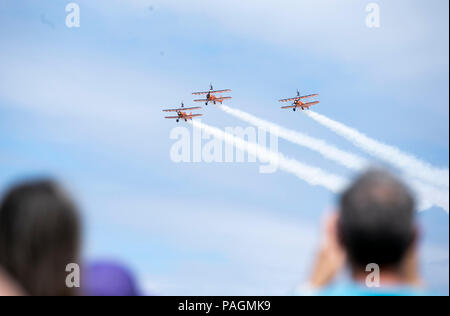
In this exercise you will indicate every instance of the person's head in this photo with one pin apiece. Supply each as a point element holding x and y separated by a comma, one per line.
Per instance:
<point>39,237</point>
<point>376,221</point>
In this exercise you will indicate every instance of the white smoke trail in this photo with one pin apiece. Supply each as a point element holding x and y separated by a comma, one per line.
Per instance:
<point>427,195</point>
<point>409,164</point>
<point>329,151</point>
<point>312,175</point>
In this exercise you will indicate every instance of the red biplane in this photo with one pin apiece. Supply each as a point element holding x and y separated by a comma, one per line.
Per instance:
<point>181,114</point>
<point>298,102</point>
<point>210,95</point>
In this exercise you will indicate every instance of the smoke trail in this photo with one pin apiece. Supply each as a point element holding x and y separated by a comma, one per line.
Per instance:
<point>411,165</point>
<point>312,175</point>
<point>427,195</point>
<point>430,194</point>
<point>329,151</point>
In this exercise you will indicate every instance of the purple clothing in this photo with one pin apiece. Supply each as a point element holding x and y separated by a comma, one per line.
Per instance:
<point>108,278</point>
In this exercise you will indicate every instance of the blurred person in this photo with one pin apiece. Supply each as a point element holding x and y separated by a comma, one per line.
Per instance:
<point>375,224</point>
<point>108,278</point>
<point>39,237</point>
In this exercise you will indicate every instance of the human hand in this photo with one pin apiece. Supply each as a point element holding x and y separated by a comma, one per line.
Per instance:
<point>331,257</point>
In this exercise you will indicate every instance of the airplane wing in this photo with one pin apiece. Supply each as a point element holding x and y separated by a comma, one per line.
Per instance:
<point>192,108</point>
<point>289,107</point>
<point>194,115</point>
<point>182,109</point>
<point>226,98</point>
<point>200,93</point>
<point>307,105</point>
<point>221,91</point>
<point>309,96</point>
<point>171,117</point>
<point>290,99</point>
<point>200,100</point>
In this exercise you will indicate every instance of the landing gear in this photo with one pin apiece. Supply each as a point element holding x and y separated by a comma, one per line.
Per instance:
<point>214,102</point>
<point>178,120</point>
<point>185,120</point>
<point>206,103</point>
<point>293,109</point>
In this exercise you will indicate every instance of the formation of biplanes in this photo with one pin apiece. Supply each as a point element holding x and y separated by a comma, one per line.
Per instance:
<point>215,96</point>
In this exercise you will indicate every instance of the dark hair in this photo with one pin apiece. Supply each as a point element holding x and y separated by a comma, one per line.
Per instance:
<point>39,237</point>
<point>376,222</point>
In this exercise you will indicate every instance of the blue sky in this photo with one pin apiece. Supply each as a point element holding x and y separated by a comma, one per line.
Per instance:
<point>84,105</point>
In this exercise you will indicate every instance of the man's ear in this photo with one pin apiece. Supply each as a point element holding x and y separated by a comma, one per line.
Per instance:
<point>415,237</point>
<point>410,260</point>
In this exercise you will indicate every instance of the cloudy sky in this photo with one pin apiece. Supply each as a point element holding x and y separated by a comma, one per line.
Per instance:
<point>84,105</point>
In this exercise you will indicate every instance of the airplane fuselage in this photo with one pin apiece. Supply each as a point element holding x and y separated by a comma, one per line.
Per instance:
<point>184,115</point>
<point>299,104</point>
<point>212,98</point>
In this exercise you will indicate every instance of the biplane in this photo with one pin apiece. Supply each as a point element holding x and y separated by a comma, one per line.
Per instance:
<point>181,114</point>
<point>298,102</point>
<point>211,97</point>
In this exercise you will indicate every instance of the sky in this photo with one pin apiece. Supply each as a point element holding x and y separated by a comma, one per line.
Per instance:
<point>84,105</point>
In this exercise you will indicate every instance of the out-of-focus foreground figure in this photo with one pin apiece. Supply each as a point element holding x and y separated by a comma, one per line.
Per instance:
<point>373,228</point>
<point>39,237</point>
